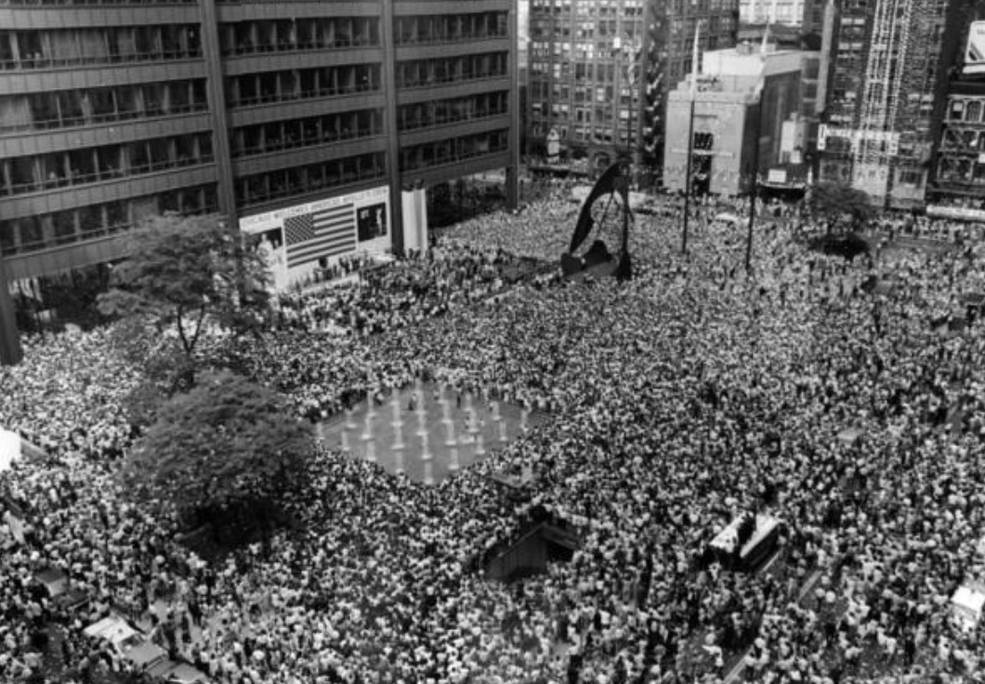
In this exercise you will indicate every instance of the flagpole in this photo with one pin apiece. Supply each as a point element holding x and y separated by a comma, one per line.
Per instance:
<point>690,136</point>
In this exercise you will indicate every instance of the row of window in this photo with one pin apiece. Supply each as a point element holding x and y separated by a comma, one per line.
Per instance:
<point>284,135</point>
<point>437,112</point>
<point>452,150</point>
<point>442,28</point>
<point>105,45</point>
<point>33,233</point>
<point>264,187</point>
<point>424,72</point>
<point>966,109</point>
<point>66,108</point>
<point>961,170</point>
<point>295,84</point>
<point>314,33</point>
<point>88,165</point>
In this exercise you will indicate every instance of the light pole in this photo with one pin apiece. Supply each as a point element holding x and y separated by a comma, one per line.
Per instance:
<point>753,191</point>
<point>690,136</point>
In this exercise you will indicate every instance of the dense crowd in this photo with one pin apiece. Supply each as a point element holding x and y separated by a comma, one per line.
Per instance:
<point>692,395</point>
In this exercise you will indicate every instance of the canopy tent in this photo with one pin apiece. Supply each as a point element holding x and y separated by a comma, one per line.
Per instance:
<point>10,449</point>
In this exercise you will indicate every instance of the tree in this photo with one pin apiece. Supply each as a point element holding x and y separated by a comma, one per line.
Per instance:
<point>186,272</point>
<point>833,202</point>
<point>226,452</point>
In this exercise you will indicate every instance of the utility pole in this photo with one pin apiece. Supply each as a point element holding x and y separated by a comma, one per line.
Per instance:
<point>690,136</point>
<point>753,191</point>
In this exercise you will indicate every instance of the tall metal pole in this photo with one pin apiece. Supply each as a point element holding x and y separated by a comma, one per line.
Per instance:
<point>690,136</point>
<point>755,178</point>
<point>687,178</point>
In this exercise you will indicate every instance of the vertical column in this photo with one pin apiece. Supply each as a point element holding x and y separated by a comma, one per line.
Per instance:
<point>217,106</point>
<point>389,84</point>
<point>10,343</point>
<point>513,170</point>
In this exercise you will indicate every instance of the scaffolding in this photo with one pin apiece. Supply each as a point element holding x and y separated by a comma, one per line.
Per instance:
<point>894,88</point>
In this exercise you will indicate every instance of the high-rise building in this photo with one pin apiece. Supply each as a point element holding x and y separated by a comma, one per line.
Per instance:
<point>113,110</point>
<point>885,97</point>
<point>600,71</point>
<point>957,185</point>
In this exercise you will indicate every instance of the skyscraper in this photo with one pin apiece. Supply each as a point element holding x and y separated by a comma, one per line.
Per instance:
<point>600,71</point>
<point>113,110</point>
<point>885,97</point>
<point>957,185</point>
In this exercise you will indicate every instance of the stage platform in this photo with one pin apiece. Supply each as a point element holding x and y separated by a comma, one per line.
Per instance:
<point>446,457</point>
<point>754,551</point>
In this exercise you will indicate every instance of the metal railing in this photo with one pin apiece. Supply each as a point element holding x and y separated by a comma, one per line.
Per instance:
<point>335,44</point>
<point>266,98</point>
<point>42,62</point>
<point>249,199</point>
<point>97,119</point>
<point>443,120</point>
<point>280,145</point>
<point>448,78</point>
<point>59,181</point>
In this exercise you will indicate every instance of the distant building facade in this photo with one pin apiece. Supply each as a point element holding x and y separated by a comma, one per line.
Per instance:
<point>958,173</point>
<point>743,94</point>
<point>600,71</point>
<point>885,96</point>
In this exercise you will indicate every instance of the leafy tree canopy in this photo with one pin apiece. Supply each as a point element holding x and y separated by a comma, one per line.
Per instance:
<point>834,202</point>
<point>227,445</point>
<point>186,272</point>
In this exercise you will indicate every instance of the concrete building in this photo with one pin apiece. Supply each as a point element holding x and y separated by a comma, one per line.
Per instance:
<point>113,110</point>
<point>885,96</point>
<point>743,93</point>
<point>600,71</point>
<point>957,181</point>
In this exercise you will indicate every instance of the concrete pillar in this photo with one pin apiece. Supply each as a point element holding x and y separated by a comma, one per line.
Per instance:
<point>513,170</point>
<point>389,84</point>
<point>215,84</point>
<point>10,342</point>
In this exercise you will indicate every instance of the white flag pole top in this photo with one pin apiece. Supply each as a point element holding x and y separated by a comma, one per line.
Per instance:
<point>695,60</point>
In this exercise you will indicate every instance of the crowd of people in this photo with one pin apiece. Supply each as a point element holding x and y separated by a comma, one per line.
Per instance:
<point>679,401</point>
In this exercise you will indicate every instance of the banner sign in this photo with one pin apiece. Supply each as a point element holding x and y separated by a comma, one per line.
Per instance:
<point>855,136</point>
<point>296,240</point>
<point>974,54</point>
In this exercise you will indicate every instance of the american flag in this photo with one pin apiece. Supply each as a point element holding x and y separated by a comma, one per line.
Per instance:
<point>323,233</point>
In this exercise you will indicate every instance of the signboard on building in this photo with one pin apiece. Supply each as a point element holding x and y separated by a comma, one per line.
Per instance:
<point>854,136</point>
<point>296,240</point>
<point>777,176</point>
<point>974,56</point>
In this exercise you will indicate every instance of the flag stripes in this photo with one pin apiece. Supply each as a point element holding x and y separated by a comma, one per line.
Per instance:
<point>323,233</point>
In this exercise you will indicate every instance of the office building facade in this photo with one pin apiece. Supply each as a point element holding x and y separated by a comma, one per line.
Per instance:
<point>600,71</point>
<point>114,111</point>
<point>885,96</point>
